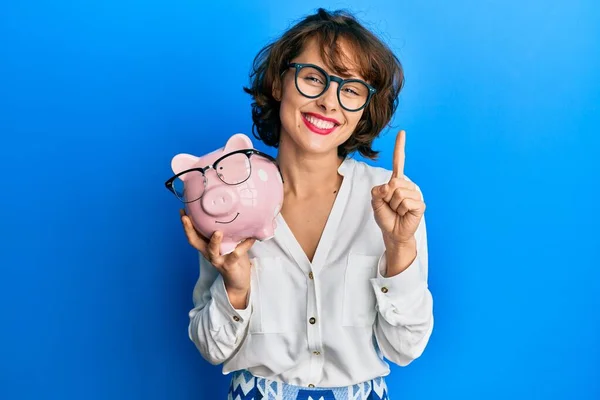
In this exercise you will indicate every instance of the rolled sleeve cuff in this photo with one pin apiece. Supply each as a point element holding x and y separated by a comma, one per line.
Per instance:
<point>224,312</point>
<point>396,292</point>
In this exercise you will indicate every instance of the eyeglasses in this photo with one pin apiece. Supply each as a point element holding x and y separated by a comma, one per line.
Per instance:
<point>312,81</point>
<point>232,169</point>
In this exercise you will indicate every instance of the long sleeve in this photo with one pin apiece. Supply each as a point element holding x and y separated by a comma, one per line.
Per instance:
<point>216,327</point>
<point>405,307</point>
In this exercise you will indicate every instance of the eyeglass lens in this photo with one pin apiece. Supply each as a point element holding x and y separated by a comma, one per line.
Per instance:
<point>231,170</point>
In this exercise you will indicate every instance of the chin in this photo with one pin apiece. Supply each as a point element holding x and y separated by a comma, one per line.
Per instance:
<point>317,144</point>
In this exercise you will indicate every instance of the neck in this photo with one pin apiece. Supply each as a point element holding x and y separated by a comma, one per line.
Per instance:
<point>307,174</point>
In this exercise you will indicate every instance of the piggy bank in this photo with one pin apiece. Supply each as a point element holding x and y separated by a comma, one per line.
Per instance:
<point>235,189</point>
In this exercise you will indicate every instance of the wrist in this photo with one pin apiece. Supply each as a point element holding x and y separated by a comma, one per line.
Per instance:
<point>399,256</point>
<point>238,297</point>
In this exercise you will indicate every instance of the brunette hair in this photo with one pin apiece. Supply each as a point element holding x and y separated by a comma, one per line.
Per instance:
<point>375,61</point>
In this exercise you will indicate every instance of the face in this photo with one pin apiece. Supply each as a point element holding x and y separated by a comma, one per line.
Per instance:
<point>315,125</point>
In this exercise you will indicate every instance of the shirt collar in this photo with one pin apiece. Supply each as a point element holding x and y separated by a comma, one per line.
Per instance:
<point>345,166</point>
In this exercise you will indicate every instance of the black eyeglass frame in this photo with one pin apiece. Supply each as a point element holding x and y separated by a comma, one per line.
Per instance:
<point>247,152</point>
<point>330,78</point>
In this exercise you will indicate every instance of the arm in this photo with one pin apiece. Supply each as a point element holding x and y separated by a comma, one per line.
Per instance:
<point>405,306</point>
<point>216,327</point>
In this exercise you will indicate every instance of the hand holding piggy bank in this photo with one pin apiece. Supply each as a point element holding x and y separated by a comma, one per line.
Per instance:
<point>236,189</point>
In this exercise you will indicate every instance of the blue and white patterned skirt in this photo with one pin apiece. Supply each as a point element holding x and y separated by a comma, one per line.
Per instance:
<point>245,386</point>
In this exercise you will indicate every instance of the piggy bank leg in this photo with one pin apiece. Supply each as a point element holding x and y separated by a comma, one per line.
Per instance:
<point>267,232</point>
<point>228,246</point>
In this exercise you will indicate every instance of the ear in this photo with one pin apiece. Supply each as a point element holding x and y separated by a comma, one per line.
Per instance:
<point>183,161</point>
<point>237,142</point>
<point>276,90</point>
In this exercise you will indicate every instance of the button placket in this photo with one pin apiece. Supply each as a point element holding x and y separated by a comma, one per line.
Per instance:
<point>313,330</point>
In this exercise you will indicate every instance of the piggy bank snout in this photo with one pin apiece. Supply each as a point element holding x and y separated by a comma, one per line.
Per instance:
<point>220,201</point>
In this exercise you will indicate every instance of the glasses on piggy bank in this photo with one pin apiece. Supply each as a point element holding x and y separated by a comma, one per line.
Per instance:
<point>233,168</point>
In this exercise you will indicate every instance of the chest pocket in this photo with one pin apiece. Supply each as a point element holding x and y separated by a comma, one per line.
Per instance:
<point>278,297</point>
<point>359,299</point>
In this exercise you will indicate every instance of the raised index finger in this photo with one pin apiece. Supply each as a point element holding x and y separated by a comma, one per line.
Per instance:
<point>399,156</point>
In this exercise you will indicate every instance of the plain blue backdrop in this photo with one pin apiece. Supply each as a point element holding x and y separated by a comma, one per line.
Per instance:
<point>502,113</point>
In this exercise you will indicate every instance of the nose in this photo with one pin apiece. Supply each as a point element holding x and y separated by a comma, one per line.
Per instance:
<point>220,200</point>
<point>329,100</point>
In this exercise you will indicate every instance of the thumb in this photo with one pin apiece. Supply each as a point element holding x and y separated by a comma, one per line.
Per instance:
<point>378,193</point>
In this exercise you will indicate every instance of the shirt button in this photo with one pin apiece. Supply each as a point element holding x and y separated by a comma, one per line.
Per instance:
<point>312,320</point>
<point>310,275</point>
<point>236,318</point>
<point>311,385</point>
<point>317,353</point>
<point>384,289</point>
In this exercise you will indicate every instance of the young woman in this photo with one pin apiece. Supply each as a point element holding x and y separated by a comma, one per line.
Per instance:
<point>342,286</point>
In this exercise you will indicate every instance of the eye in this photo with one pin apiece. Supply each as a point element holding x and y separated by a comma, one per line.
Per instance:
<point>314,79</point>
<point>351,91</point>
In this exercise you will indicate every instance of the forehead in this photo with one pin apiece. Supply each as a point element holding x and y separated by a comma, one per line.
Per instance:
<point>340,60</point>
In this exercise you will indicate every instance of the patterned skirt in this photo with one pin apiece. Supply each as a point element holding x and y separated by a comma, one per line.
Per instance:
<point>245,386</point>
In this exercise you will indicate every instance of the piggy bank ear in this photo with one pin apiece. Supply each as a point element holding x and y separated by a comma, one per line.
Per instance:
<point>237,142</point>
<point>183,161</point>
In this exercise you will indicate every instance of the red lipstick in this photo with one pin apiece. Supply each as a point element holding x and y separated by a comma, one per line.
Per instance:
<point>316,129</point>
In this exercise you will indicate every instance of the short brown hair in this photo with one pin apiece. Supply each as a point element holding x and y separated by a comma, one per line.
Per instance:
<point>376,62</point>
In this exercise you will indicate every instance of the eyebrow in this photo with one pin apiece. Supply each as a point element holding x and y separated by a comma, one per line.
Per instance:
<point>343,76</point>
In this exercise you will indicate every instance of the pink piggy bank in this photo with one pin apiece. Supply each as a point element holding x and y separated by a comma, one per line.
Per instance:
<point>236,189</point>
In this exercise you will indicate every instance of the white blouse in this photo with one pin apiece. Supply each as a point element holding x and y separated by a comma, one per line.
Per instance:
<point>327,323</point>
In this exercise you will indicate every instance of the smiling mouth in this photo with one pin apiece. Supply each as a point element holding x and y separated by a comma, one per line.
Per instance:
<point>318,125</point>
<point>228,222</point>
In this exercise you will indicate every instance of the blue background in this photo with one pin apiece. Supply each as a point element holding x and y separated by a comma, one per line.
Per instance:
<point>502,113</point>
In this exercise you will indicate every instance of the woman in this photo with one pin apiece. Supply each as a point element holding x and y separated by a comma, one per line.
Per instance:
<point>343,284</point>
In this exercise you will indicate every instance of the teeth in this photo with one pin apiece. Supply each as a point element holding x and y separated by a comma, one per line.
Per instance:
<point>319,123</point>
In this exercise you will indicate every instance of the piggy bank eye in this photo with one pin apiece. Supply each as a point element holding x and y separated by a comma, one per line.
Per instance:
<point>234,169</point>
